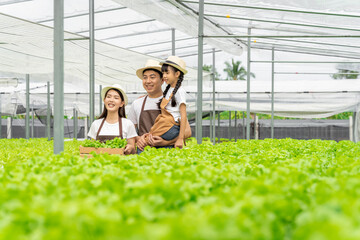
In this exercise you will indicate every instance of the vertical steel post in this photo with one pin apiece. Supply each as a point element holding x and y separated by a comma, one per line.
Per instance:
<point>248,86</point>
<point>210,126</point>
<point>100,100</point>
<point>198,126</point>
<point>0,117</point>
<point>9,127</point>
<point>92,60</point>
<point>243,125</point>
<point>272,90</point>
<point>213,78</point>
<point>229,130</point>
<point>351,132</point>
<point>86,127</point>
<point>58,76</point>
<point>219,126</point>
<point>75,127</point>
<point>32,120</point>
<point>173,41</point>
<point>27,116</point>
<point>48,114</point>
<point>235,125</point>
<point>355,124</point>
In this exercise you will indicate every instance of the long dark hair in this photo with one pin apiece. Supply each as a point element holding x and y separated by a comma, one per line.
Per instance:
<point>165,68</point>
<point>121,111</point>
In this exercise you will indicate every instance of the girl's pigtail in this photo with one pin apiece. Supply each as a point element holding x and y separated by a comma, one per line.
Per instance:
<point>178,84</point>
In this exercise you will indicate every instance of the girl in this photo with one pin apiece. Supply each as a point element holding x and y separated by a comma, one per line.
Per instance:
<point>112,122</point>
<point>172,121</point>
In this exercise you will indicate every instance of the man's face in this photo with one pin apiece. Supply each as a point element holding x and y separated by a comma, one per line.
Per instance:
<point>152,82</point>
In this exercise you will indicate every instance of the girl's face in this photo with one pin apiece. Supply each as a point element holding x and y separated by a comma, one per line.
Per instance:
<point>171,76</point>
<point>113,101</point>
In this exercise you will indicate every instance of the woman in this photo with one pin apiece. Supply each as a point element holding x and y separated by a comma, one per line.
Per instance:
<point>112,122</point>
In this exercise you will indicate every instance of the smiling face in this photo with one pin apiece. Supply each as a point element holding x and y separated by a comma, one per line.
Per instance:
<point>171,76</point>
<point>152,83</point>
<point>113,101</point>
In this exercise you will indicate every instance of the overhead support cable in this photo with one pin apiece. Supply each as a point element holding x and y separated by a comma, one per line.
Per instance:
<point>318,43</point>
<point>119,25</point>
<point>195,54</point>
<point>283,22</point>
<point>280,49</point>
<point>82,14</point>
<point>168,50</point>
<point>277,9</point>
<point>282,36</point>
<point>157,43</point>
<point>310,49</point>
<point>137,33</point>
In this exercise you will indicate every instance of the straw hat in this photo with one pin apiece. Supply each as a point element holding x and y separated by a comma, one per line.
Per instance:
<point>176,62</point>
<point>117,87</point>
<point>150,64</point>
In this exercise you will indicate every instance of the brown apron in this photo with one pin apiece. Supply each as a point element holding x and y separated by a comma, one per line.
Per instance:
<point>164,121</point>
<point>146,119</point>
<point>104,138</point>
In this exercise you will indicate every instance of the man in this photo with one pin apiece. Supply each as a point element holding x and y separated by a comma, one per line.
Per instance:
<point>145,110</point>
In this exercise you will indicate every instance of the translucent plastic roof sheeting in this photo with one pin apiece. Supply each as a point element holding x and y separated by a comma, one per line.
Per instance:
<point>244,14</point>
<point>177,16</point>
<point>27,48</point>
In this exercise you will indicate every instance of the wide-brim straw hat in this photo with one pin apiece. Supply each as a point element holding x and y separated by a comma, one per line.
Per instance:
<point>117,87</point>
<point>150,64</point>
<point>176,62</point>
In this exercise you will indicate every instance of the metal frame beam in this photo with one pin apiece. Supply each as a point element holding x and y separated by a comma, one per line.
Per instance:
<point>118,25</point>
<point>138,33</point>
<point>277,9</point>
<point>81,14</point>
<point>283,22</point>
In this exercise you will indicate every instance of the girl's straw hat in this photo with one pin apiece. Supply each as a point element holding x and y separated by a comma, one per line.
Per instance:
<point>117,87</point>
<point>150,64</point>
<point>176,62</point>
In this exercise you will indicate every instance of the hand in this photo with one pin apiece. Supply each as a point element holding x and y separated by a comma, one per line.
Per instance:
<point>157,141</point>
<point>129,149</point>
<point>179,143</point>
<point>141,143</point>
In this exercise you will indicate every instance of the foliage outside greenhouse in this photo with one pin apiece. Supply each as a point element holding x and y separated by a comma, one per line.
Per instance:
<point>257,189</point>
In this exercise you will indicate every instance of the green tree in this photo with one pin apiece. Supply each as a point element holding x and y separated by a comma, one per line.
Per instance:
<point>208,68</point>
<point>345,74</point>
<point>235,71</point>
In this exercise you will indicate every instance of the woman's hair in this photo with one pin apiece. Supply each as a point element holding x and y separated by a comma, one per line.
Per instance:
<point>121,111</point>
<point>164,68</point>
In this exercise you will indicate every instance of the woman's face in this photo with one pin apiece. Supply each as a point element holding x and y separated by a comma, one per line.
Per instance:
<point>113,101</point>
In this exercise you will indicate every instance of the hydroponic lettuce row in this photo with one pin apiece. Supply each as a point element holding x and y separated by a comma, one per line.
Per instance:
<point>270,189</point>
<point>113,143</point>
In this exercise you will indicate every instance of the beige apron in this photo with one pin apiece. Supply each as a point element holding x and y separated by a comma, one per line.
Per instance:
<point>146,119</point>
<point>164,121</point>
<point>104,138</point>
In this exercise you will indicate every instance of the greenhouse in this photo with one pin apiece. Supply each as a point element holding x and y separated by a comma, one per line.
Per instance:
<point>272,99</point>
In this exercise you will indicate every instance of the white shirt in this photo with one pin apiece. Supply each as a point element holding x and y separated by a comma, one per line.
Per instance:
<point>112,129</point>
<point>180,98</point>
<point>135,110</point>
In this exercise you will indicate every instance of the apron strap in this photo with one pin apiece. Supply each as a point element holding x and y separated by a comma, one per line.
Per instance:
<point>120,128</point>
<point>101,125</point>
<point>142,109</point>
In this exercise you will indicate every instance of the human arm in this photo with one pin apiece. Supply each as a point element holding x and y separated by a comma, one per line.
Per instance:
<point>180,140</point>
<point>130,146</point>
<point>160,142</point>
<point>141,142</point>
